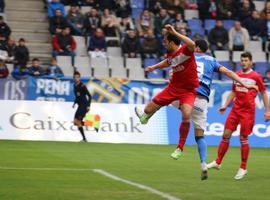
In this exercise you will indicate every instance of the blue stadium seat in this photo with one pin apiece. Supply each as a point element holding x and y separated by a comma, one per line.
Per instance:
<point>149,61</point>
<point>238,66</point>
<point>157,74</point>
<point>209,24</point>
<point>227,64</point>
<point>197,30</point>
<point>261,67</point>
<point>137,4</point>
<point>136,13</point>
<point>228,24</point>
<point>194,23</point>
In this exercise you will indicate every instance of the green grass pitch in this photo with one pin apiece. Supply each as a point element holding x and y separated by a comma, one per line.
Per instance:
<point>145,164</point>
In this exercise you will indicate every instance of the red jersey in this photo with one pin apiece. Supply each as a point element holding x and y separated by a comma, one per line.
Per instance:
<point>245,98</point>
<point>184,69</point>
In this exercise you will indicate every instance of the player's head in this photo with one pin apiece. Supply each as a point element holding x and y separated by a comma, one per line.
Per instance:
<point>246,61</point>
<point>171,42</point>
<point>201,46</point>
<point>77,77</point>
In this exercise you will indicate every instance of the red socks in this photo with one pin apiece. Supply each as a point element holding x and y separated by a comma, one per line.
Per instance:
<point>183,132</point>
<point>222,149</point>
<point>244,152</point>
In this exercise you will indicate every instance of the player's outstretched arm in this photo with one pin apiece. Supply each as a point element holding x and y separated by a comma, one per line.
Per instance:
<point>229,99</point>
<point>160,65</point>
<point>235,77</point>
<point>190,43</point>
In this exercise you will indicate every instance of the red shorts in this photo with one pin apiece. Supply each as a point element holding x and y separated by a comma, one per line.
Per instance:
<point>246,121</point>
<point>168,95</point>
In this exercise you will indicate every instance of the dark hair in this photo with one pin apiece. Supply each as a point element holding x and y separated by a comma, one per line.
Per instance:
<point>246,55</point>
<point>76,73</point>
<point>35,59</point>
<point>1,18</point>
<point>21,40</point>
<point>202,44</point>
<point>172,38</point>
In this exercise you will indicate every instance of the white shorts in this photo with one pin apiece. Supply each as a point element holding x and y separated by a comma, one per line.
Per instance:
<point>199,113</point>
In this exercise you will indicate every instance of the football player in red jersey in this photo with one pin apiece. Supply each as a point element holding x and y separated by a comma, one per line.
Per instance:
<point>242,113</point>
<point>182,86</point>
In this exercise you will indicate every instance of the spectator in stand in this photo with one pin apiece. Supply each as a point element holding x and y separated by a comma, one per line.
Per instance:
<point>213,9</point>
<point>244,10</point>
<point>20,72</point>
<point>97,45</point>
<point>3,48</point>
<point>3,70</point>
<point>149,45</point>
<point>11,49</point>
<point>161,20</point>
<point>54,71</point>
<point>109,23</point>
<point>35,69</point>
<point>226,9</point>
<point>21,54</point>
<point>123,8</point>
<point>256,27</point>
<point>131,45</point>
<point>238,37</point>
<point>266,78</point>
<point>174,6</point>
<point>54,5</point>
<point>92,21</point>
<point>75,19</point>
<point>191,4</point>
<point>145,22</point>
<point>4,28</point>
<point>58,20</point>
<point>263,14</point>
<point>125,25</point>
<point>2,6</point>
<point>179,23</point>
<point>64,44</point>
<point>155,6</point>
<point>218,37</point>
<point>267,24</point>
<point>91,3</point>
<point>203,7</point>
<point>106,4</point>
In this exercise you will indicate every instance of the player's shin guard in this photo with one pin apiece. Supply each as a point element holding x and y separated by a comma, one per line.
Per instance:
<point>183,132</point>
<point>244,152</point>
<point>222,149</point>
<point>202,148</point>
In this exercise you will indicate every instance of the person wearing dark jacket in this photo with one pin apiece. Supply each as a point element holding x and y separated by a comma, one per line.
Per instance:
<point>4,28</point>
<point>218,37</point>
<point>21,54</point>
<point>58,20</point>
<point>149,45</point>
<point>35,69</point>
<point>256,27</point>
<point>64,44</point>
<point>131,45</point>
<point>97,45</point>
<point>91,22</point>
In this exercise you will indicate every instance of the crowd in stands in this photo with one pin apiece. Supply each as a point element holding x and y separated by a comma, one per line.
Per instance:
<point>228,25</point>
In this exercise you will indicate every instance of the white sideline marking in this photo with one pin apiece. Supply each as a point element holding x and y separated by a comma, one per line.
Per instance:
<point>138,185</point>
<point>43,169</point>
